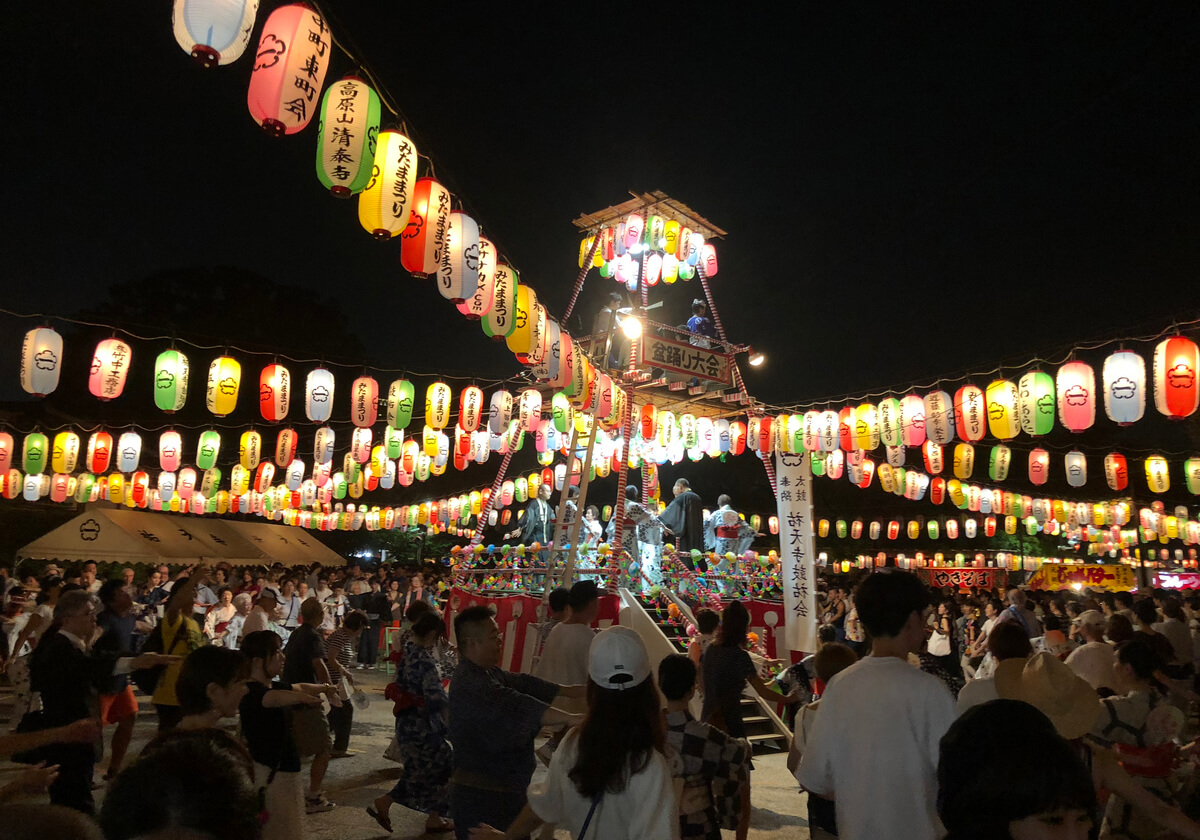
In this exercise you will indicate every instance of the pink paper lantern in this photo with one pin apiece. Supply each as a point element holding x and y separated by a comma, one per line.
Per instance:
<point>289,69</point>
<point>1076,386</point>
<point>110,367</point>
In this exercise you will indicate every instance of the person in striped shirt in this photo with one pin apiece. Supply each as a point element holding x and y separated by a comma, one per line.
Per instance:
<point>341,649</point>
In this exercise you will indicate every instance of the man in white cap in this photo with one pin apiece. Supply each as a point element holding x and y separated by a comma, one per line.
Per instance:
<point>262,617</point>
<point>1094,659</point>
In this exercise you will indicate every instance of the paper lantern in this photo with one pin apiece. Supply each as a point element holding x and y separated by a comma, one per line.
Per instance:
<point>890,425</point>
<point>1002,401</point>
<point>208,448</point>
<point>250,449</point>
<point>866,427</point>
<point>835,464</point>
<point>41,361</point>
<point>401,395</point>
<point>318,395</point>
<point>170,451</point>
<point>970,413</point>
<point>285,446</point>
<point>99,452</point>
<point>129,452</point>
<point>1176,391</point>
<point>1035,403</point>
<point>1191,475</point>
<point>479,303</point>
<point>224,381</point>
<point>1076,466</point>
<point>110,366</point>
<point>999,462</point>
<point>458,266</point>
<point>500,322</point>
<point>274,392</point>
<point>360,445</point>
<point>425,236</point>
<point>1076,386</point>
<point>1124,377</point>
<point>1158,477</point>
<point>214,31</point>
<point>520,341</point>
<point>1039,466</point>
<point>964,460</point>
<point>323,445</point>
<point>934,458</point>
<point>348,134</point>
<point>364,402</point>
<point>289,69</point>
<point>437,405</point>
<point>385,203</point>
<point>939,417</point>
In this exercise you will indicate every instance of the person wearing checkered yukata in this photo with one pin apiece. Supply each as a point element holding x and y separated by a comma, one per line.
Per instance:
<point>710,762</point>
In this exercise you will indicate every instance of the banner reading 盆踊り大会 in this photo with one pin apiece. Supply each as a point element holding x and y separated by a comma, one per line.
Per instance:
<point>797,550</point>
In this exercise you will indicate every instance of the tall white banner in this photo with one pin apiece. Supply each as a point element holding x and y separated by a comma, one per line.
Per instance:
<point>797,551</point>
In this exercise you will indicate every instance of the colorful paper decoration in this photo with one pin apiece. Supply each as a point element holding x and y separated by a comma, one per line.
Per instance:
<point>224,381</point>
<point>250,449</point>
<point>458,265</point>
<point>348,134</point>
<point>1076,386</point>
<point>999,462</point>
<point>437,407</point>
<point>500,322</point>
<point>41,361</point>
<point>939,417</point>
<point>1039,466</point>
<point>1158,476</point>
<point>214,32</point>
<point>1002,400</point>
<point>1176,391</point>
<point>364,402</point>
<point>274,392</point>
<point>1076,466</point>
<point>385,204</point>
<point>1035,403</point>
<point>289,69</point>
<point>480,303</point>
<point>99,452</point>
<point>110,367</point>
<point>1124,377</point>
<point>129,452</point>
<point>318,395</point>
<point>912,420</point>
<point>970,413</point>
<point>425,236</point>
<point>964,460</point>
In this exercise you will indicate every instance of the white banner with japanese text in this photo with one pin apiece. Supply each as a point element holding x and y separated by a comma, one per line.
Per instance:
<point>797,550</point>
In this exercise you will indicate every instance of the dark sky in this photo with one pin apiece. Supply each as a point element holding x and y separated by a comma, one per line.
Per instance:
<point>910,191</point>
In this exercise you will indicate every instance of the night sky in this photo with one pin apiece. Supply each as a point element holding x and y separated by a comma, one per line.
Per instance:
<point>908,194</point>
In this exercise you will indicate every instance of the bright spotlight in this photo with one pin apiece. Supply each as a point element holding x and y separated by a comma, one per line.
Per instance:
<point>756,359</point>
<point>632,327</point>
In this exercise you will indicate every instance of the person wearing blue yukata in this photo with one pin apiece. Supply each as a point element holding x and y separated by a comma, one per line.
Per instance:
<point>726,533</point>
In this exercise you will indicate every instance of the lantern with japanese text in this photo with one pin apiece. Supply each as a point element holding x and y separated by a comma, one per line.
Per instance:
<point>934,457</point>
<point>479,303</point>
<point>1076,466</point>
<point>1176,391</point>
<point>425,236</point>
<point>999,462</point>
<point>866,427</point>
<point>285,446</point>
<point>1076,385</point>
<point>364,402</point>
<point>385,203</point>
<point>360,445</point>
<point>289,69</point>
<point>964,460</point>
<point>1039,466</point>
<point>129,452</point>
<point>501,320</point>
<point>939,417</point>
<point>1035,403</point>
<point>110,366</point>
<point>274,392</point>
<point>437,405</point>
<point>458,267</point>
<point>890,427</point>
<point>811,435</point>
<point>99,452</point>
<point>214,31</point>
<point>912,420</point>
<point>470,408</point>
<point>65,453</point>
<point>1002,400</point>
<point>323,445</point>
<point>224,380</point>
<point>250,449</point>
<point>520,341</point>
<point>401,395</point>
<point>835,464</point>
<point>1191,475</point>
<point>318,395</point>
<point>1158,476</point>
<point>970,413</point>
<point>41,361</point>
<point>347,136</point>
<point>1124,376</point>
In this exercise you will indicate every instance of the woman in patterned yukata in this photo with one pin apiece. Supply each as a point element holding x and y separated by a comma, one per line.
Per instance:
<point>421,707</point>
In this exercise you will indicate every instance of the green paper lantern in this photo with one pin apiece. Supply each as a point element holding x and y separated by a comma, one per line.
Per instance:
<point>401,395</point>
<point>1035,403</point>
<point>34,453</point>
<point>393,441</point>
<point>999,462</point>
<point>170,380</point>
<point>347,136</point>
<point>207,449</point>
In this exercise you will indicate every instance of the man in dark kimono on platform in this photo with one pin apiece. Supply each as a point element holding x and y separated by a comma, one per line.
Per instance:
<point>684,517</point>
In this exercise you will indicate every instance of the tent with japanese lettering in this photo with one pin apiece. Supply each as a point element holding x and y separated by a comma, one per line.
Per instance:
<point>108,534</point>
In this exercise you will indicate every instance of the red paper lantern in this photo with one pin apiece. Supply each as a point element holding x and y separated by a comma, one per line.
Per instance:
<point>425,235</point>
<point>1176,391</point>
<point>970,412</point>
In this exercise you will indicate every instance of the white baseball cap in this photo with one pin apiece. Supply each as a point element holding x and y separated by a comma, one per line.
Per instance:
<point>617,659</point>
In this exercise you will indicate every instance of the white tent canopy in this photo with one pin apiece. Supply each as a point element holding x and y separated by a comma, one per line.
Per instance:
<point>110,534</point>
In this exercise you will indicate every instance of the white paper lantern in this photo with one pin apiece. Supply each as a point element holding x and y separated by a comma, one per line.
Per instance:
<point>458,267</point>
<point>318,395</point>
<point>41,361</point>
<point>1124,387</point>
<point>129,452</point>
<point>214,31</point>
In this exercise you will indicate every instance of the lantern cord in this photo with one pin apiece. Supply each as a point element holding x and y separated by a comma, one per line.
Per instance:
<point>1064,353</point>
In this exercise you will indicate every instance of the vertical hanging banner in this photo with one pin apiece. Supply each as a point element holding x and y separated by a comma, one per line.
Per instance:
<point>798,556</point>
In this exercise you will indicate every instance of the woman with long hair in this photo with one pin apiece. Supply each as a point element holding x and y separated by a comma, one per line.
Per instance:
<point>609,778</point>
<point>422,725</point>
<point>727,669</point>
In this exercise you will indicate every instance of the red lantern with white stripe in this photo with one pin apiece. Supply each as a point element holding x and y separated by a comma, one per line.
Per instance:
<point>1116,471</point>
<point>425,236</point>
<point>970,413</point>
<point>274,392</point>
<point>912,420</point>
<point>364,405</point>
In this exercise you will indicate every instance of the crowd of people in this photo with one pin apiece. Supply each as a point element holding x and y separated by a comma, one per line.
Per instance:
<point>914,719</point>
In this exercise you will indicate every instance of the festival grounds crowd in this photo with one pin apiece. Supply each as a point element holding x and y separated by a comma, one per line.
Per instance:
<point>922,714</point>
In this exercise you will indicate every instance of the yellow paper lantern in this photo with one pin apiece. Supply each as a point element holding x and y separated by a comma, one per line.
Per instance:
<point>224,380</point>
